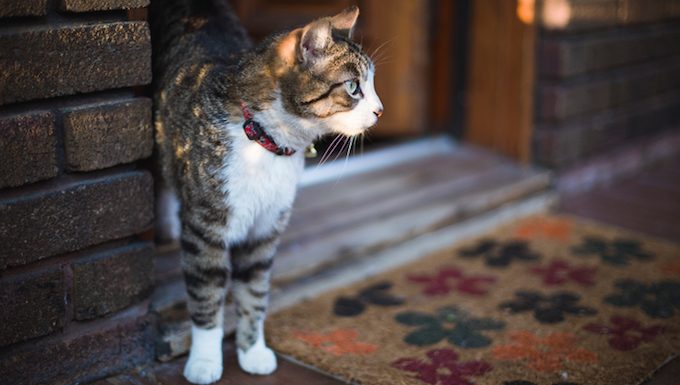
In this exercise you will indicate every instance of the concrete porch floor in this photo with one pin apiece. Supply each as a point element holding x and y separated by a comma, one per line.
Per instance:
<point>647,203</point>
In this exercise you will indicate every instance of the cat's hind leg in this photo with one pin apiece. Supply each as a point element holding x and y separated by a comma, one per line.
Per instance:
<point>252,262</point>
<point>206,268</point>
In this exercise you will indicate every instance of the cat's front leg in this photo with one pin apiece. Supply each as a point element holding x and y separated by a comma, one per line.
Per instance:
<point>206,268</point>
<point>252,262</point>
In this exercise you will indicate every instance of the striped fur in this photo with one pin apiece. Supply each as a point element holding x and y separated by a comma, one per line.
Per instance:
<point>234,198</point>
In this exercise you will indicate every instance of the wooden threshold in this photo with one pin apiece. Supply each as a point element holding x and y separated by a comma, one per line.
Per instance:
<point>341,229</point>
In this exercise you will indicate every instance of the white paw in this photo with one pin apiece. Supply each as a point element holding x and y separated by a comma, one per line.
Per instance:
<point>259,359</point>
<point>202,371</point>
<point>205,357</point>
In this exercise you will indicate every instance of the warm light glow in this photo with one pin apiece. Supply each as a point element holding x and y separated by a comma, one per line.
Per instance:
<point>525,11</point>
<point>556,13</point>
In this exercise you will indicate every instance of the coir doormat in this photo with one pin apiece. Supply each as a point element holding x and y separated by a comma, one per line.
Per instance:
<point>548,300</point>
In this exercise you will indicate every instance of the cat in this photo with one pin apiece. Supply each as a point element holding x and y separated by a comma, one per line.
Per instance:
<point>232,122</point>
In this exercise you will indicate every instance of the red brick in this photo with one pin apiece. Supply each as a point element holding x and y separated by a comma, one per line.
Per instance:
<point>72,213</point>
<point>563,144</point>
<point>107,133</point>
<point>112,280</point>
<point>9,8</point>
<point>100,5</point>
<point>88,352</point>
<point>569,55</point>
<point>615,88</point>
<point>46,61</point>
<point>33,305</point>
<point>27,145</point>
<point>647,11</point>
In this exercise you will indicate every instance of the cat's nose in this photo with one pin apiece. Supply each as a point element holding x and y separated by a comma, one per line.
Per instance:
<point>378,112</point>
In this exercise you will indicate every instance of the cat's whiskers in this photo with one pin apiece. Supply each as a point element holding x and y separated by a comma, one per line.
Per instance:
<point>377,50</point>
<point>382,61</point>
<point>384,57</point>
<point>344,165</point>
<point>351,147</point>
<point>329,150</point>
<point>342,148</point>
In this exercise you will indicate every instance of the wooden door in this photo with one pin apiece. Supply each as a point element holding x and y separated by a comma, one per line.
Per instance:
<point>501,76</point>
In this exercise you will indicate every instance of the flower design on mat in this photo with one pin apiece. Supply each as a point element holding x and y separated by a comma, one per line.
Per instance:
<point>616,252</point>
<point>521,382</point>
<point>625,333</point>
<point>337,342</point>
<point>559,272</point>
<point>448,279</point>
<point>375,294</point>
<point>659,300</point>
<point>442,368</point>
<point>500,254</point>
<point>555,228</point>
<point>543,354</point>
<point>547,309</point>
<point>450,323</point>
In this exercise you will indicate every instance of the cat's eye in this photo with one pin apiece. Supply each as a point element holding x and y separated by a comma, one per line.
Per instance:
<point>353,89</point>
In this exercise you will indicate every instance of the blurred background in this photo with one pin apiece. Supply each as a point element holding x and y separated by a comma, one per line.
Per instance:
<point>550,82</point>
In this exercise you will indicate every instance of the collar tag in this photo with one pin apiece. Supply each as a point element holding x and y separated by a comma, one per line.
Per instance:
<point>310,151</point>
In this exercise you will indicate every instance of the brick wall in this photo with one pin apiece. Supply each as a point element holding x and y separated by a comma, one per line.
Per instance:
<point>607,75</point>
<point>75,206</point>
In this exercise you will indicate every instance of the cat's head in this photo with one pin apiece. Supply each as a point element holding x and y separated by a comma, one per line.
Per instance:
<point>325,78</point>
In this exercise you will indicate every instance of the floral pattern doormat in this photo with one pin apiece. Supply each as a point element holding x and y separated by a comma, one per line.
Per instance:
<point>548,300</point>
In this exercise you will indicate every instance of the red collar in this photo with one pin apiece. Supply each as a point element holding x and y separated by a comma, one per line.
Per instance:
<point>256,133</point>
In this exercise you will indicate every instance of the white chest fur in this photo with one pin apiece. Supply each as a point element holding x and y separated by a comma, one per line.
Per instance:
<point>261,185</point>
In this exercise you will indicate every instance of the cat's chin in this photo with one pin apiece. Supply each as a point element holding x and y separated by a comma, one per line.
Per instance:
<point>350,132</point>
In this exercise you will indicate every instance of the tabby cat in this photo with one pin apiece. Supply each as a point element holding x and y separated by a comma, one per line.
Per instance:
<point>232,123</point>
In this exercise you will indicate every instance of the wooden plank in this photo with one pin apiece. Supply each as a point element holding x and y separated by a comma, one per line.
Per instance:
<point>366,189</point>
<point>355,213</point>
<point>452,160</point>
<point>500,86</point>
<point>295,259</point>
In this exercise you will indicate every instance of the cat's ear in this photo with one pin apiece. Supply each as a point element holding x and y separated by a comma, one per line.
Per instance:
<point>316,36</point>
<point>343,23</point>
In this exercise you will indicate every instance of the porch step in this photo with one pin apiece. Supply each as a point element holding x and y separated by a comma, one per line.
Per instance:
<point>343,230</point>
